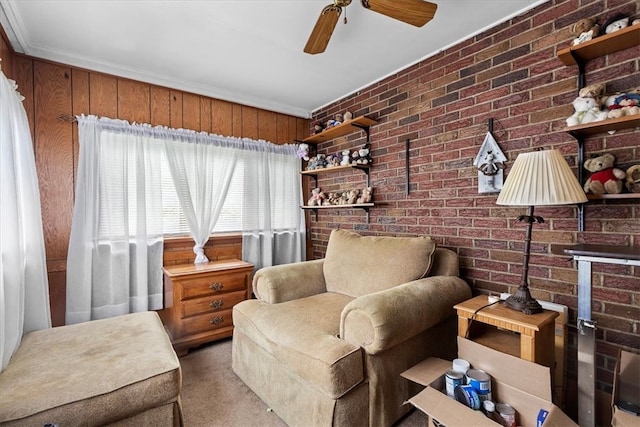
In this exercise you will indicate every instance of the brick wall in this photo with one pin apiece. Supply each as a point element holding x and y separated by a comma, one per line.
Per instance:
<point>442,105</point>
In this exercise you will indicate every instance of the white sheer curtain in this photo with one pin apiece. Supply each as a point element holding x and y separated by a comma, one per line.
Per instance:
<point>114,263</point>
<point>115,252</point>
<point>24,289</point>
<point>201,169</point>
<point>273,223</point>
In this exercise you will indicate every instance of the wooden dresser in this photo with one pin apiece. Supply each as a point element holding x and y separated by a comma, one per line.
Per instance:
<point>199,299</point>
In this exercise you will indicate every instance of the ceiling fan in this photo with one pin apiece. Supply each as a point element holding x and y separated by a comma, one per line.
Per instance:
<point>414,12</point>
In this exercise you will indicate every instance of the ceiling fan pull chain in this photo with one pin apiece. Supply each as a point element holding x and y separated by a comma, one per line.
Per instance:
<point>345,15</point>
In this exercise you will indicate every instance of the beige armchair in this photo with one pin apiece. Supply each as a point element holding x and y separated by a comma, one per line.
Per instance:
<point>325,341</point>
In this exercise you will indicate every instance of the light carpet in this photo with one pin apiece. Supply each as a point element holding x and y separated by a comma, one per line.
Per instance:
<point>212,395</point>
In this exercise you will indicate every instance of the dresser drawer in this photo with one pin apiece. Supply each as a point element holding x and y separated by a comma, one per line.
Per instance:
<point>206,322</point>
<point>211,304</point>
<point>213,284</point>
<point>199,300</point>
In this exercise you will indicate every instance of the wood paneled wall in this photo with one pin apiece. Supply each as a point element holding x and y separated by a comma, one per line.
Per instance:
<point>52,89</point>
<point>5,55</point>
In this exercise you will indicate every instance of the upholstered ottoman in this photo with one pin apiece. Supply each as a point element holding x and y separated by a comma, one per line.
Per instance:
<point>121,371</point>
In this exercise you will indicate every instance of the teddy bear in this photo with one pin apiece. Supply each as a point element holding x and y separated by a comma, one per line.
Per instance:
<point>365,195</point>
<point>332,199</point>
<point>345,158</point>
<point>587,106</point>
<point>605,178</point>
<point>585,30</point>
<point>592,91</point>
<point>616,23</point>
<point>626,104</point>
<point>361,156</point>
<point>587,110</point>
<point>352,196</point>
<point>331,123</point>
<point>321,161</point>
<point>632,183</point>
<point>303,151</point>
<point>333,160</point>
<point>317,198</point>
<point>317,127</point>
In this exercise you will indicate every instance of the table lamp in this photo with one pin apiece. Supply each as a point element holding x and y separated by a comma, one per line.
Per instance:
<point>539,178</point>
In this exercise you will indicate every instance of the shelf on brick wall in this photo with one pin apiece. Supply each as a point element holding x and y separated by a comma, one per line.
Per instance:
<point>601,46</point>
<point>620,196</point>
<point>335,169</point>
<point>603,126</point>
<point>363,206</point>
<point>348,126</point>
<point>579,55</point>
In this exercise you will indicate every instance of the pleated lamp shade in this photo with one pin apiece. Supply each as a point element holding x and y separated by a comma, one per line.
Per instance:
<point>541,178</point>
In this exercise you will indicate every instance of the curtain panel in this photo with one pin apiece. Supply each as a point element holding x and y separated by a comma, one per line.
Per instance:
<point>273,225</point>
<point>24,289</point>
<point>114,263</point>
<point>115,251</point>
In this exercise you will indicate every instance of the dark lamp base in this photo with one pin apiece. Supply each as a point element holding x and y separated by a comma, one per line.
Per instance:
<point>523,301</point>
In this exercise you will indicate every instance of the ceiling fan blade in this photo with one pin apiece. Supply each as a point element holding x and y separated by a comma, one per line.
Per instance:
<point>414,12</point>
<point>319,38</point>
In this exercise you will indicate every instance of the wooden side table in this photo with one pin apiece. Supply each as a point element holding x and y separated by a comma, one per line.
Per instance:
<point>529,337</point>
<point>199,299</point>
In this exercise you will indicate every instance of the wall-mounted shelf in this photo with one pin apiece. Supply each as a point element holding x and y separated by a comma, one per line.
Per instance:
<point>600,46</point>
<point>315,172</point>
<point>363,206</point>
<point>321,171</point>
<point>348,126</point>
<point>620,196</point>
<point>603,126</point>
<point>579,55</point>
<point>359,123</point>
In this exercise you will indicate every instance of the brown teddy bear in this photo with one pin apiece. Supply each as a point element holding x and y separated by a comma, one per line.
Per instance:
<point>366,195</point>
<point>633,179</point>
<point>585,30</point>
<point>604,177</point>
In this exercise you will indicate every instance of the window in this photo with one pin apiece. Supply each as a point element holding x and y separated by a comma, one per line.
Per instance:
<point>173,218</point>
<point>120,169</point>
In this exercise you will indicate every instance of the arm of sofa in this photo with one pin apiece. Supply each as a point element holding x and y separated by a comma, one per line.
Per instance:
<point>381,320</point>
<point>287,282</point>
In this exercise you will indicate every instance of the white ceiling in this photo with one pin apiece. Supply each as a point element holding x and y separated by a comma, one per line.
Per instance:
<point>245,51</point>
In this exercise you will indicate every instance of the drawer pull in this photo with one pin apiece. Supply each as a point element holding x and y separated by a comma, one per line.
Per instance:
<point>216,304</point>
<point>216,286</point>
<point>216,320</point>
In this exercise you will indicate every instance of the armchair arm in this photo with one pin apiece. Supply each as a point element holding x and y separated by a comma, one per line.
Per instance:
<point>287,282</point>
<point>383,319</point>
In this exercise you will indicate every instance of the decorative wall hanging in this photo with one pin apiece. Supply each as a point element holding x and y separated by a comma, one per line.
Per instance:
<point>490,163</point>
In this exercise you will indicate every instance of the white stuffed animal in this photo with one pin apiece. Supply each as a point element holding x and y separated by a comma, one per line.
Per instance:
<point>587,110</point>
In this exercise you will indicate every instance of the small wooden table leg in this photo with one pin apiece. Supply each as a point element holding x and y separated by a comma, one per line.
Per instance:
<point>463,326</point>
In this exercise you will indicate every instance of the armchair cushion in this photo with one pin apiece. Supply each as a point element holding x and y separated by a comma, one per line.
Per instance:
<point>303,336</point>
<point>358,265</point>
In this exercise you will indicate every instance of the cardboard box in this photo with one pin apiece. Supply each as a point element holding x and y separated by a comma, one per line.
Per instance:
<point>626,388</point>
<point>524,385</point>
